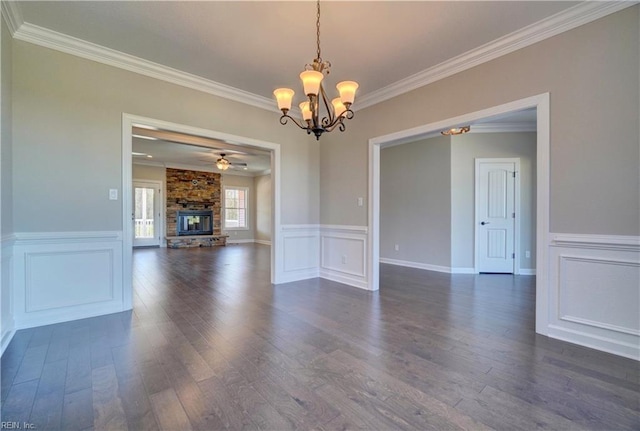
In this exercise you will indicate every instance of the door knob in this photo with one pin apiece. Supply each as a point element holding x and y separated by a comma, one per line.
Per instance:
<point>484,222</point>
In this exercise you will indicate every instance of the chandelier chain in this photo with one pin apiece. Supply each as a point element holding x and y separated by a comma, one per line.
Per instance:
<point>318,30</point>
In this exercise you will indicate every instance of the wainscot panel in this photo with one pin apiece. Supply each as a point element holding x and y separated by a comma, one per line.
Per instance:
<point>300,248</point>
<point>64,276</point>
<point>7,326</point>
<point>343,251</point>
<point>594,292</point>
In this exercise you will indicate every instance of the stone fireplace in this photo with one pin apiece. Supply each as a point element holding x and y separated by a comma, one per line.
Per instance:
<point>193,209</point>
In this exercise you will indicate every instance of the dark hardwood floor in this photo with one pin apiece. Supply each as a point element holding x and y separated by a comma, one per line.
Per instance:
<point>211,344</point>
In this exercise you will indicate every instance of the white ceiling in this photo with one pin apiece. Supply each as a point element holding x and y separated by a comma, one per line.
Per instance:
<point>257,46</point>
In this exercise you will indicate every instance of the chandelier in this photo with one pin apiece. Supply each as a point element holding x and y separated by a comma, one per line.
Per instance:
<point>336,111</point>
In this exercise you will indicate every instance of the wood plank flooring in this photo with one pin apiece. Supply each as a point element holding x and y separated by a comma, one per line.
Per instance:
<point>212,345</point>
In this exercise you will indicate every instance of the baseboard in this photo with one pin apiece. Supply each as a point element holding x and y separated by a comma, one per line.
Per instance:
<point>66,316</point>
<point>425,266</point>
<point>240,241</point>
<point>262,241</point>
<point>358,282</point>
<point>6,339</point>
<point>298,275</point>
<point>527,271</point>
<point>462,270</point>
<point>605,344</point>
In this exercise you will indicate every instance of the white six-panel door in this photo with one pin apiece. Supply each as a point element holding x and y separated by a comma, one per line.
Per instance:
<point>495,214</point>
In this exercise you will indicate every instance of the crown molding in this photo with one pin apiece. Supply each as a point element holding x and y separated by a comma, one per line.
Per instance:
<point>503,127</point>
<point>568,19</point>
<point>91,51</point>
<point>12,16</point>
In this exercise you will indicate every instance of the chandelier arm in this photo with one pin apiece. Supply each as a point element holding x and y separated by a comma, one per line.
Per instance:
<point>330,118</point>
<point>339,121</point>
<point>284,120</point>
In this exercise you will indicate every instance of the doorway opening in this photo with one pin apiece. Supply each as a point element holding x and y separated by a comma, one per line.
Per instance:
<point>205,140</point>
<point>541,104</point>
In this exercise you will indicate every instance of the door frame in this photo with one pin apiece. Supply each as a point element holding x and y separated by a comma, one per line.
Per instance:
<point>161,207</point>
<point>541,103</point>
<point>516,209</point>
<point>130,120</point>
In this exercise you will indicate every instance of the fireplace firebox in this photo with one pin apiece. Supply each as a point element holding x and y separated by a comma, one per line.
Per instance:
<point>195,223</point>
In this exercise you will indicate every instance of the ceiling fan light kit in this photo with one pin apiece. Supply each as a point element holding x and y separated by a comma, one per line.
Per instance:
<point>222,163</point>
<point>456,131</point>
<point>336,110</point>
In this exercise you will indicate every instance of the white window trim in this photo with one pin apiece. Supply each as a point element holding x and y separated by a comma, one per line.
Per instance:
<point>224,207</point>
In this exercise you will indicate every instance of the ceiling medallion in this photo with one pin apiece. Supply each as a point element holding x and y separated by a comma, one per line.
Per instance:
<point>456,131</point>
<point>336,111</point>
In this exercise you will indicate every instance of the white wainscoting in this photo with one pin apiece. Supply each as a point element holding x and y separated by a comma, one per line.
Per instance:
<point>62,276</point>
<point>300,252</point>
<point>334,252</point>
<point>594,292</point>
<point>343,254</point>
<point>7,324</point>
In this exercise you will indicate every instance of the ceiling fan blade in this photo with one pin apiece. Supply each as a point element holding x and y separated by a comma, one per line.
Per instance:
<point>237,164</point>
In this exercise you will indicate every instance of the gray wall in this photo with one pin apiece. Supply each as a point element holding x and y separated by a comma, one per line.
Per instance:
<point>464,150</point>
<point>592,75</point>
<point>415,202</point>
<point>67,134</point>
<point>263,192</point>
<point>6,181</point>
<point>6,156</point>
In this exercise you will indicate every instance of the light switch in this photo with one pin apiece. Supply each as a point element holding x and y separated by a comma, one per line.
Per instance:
<point>113,194</point>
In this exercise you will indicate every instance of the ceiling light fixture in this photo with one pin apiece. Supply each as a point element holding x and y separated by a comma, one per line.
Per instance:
<point>222,163</point>
<point>456,131</point>
<point>336,111</point>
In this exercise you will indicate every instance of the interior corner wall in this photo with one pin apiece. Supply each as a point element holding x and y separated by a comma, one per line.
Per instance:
<point>415,203</point>
<point>464,150</point>
<point>6,187</point>
<point>263,193</point>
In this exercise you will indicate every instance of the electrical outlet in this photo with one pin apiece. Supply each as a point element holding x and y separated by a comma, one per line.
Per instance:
<point>397,247</point>
<point>527,254</point>
<point>344,259</point>
<point>360,202</point>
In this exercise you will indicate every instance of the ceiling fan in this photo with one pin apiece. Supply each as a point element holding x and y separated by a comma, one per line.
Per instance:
<point>223,164</point>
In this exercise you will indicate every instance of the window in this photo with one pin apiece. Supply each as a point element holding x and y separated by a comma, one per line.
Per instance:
<point>235,208</point>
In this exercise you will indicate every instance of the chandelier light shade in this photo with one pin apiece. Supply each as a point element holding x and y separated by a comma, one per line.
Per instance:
<point>456,131</point>
<point>318,114</point>
<point>222,163</point>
